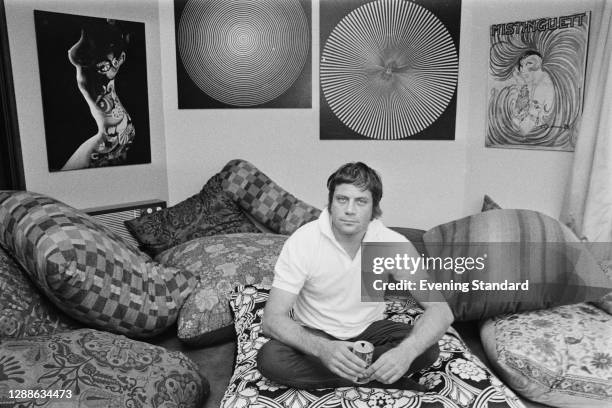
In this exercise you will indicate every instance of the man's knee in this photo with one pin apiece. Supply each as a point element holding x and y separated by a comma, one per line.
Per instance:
<point>433,353</point>
<point>265,359</point>
<point>274,358</point>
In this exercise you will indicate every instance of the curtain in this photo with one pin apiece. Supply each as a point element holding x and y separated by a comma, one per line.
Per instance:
<point>588,204</point>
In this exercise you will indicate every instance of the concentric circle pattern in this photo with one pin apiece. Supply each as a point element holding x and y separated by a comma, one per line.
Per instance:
<point>389,69</point>
<point>243,52</point>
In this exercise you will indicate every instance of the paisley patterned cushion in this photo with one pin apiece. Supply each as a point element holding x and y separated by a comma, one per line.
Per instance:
<point>457,380</point>
<point>560,357</point>
<point>23,311</point>
<point>209,212</point>
<point>221,262</point>
<point>265,200</point>
<point>98,369</point>
<point>87,270</point>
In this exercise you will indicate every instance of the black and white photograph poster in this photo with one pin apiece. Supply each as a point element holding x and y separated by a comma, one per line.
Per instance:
<point>389,69</point>
<point>93,78</point>
<point>536,82</point>
<point>243,54</point>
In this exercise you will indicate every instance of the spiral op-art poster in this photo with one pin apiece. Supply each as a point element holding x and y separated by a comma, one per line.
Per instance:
<point>93,78</point>
<point>536,82</point>
<point>389,69</point>
<point>243,54</point>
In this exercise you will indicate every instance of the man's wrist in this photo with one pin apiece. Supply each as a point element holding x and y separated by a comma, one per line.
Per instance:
<point>408,347</point>
<point>318,345</point>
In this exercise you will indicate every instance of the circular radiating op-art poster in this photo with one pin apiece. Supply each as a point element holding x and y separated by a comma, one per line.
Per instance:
<point>389,69</point>
<point>243,53</point>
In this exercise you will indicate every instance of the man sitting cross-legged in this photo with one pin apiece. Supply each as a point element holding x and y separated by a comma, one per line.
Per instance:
<point>314,313</point>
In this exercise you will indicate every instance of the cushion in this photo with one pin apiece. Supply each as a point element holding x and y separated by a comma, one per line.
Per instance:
<point>457,379</point>
<point>546,261</point>
<point>97,369</point>
<point>23,311</point>
<point>221,262</point>
<point>88,271</point>
<point>605,303</point>
<point>603,253</point>
<point>561,357</point>
<point>265,200</point>
<point>600,250</point>
<point>209,212</point>
<point>489,204</point>
<point>415,236</point>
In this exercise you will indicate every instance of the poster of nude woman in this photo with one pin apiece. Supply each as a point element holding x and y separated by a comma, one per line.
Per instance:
<point>94,91</point>
<point>536,82</point>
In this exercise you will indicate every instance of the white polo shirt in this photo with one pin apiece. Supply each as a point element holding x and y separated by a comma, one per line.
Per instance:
<point>314,266</point>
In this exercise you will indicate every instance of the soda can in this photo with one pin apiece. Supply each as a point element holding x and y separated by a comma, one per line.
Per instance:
<point>364,350</point>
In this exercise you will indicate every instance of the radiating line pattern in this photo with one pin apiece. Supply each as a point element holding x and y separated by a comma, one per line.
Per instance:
<point>389,69</point>
<point>243,52</point>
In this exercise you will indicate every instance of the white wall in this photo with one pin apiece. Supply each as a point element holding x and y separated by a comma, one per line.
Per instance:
<point>90,187</point>
<point>426,182</point>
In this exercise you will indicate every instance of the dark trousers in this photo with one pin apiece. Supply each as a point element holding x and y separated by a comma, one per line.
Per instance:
<point>285,365</point>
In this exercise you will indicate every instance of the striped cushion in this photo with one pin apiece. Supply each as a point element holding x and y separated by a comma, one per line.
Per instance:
<point>265,200</point>
<point>88,271</point>
<point>517,246</point>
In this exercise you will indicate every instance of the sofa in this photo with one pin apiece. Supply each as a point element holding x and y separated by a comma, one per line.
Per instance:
<point>177,321</point>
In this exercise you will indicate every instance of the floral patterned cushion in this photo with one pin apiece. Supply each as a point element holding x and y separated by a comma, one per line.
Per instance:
<point>210,212</point>
<point>457,380</point>
<point>560,357</point>
<point>97,369</point>
<point>23,311</point>
<point>221,262</point>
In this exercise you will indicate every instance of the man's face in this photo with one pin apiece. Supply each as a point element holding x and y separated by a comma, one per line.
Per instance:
<point>351,210</point>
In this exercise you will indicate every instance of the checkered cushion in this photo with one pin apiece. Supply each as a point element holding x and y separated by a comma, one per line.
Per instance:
<point>88,271</point>
<point>265,200</point>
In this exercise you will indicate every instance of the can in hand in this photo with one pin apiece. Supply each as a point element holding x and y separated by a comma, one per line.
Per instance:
<point>364,350</point>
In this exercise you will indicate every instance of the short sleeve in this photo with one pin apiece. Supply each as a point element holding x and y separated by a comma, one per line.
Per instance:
<point>291,270</point>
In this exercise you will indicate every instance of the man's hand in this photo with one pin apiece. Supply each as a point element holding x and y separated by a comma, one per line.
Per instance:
<point>338,357</point>
<point>390,366</point>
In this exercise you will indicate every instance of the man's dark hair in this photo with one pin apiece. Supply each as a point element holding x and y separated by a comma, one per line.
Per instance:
<point>361,176</point>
